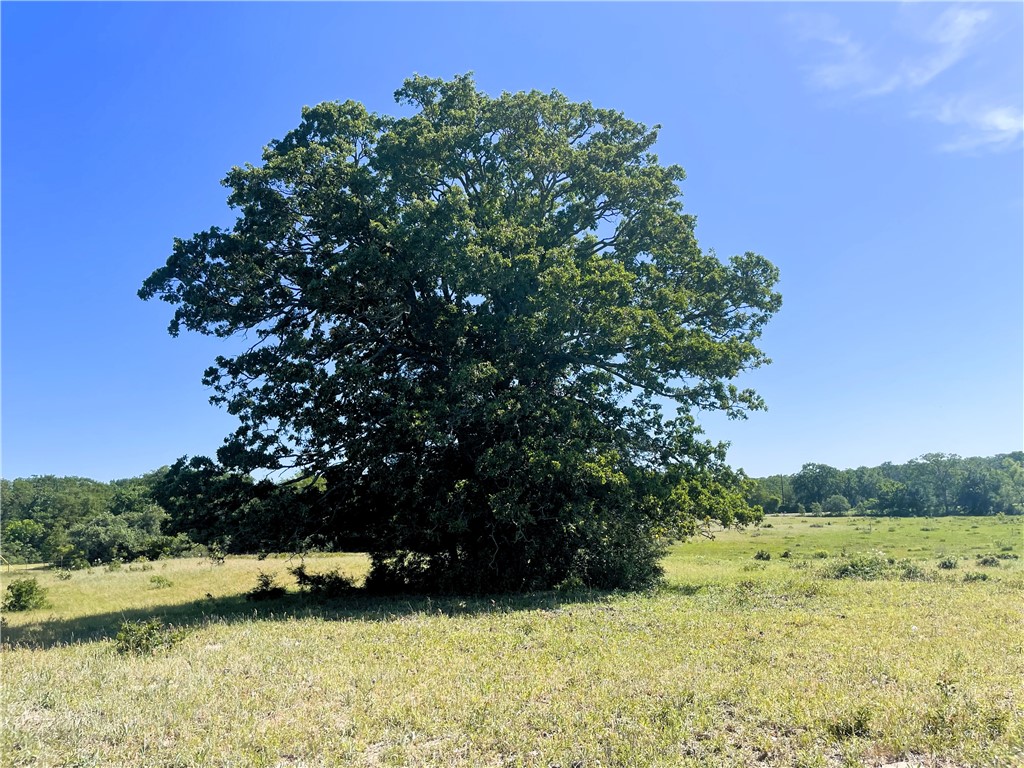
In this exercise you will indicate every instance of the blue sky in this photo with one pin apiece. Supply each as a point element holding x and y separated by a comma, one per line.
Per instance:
<point>872,151</point>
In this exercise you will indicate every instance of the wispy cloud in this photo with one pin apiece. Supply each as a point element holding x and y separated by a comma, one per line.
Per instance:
<point>952,36</point>
<point>913,65</point>
<point>848,63</point>
<point>980,126</point>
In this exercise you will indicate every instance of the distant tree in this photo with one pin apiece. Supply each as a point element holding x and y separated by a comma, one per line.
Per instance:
<point>23,541</point>
<point>862,485</point>
<point>815,483</point>
<point>939,475</point>
<point>463,320</point>
<point>758,493</point>
<point>60,550</point>
<point>1010,496</point>
<point>103,538</point>
<point>836,504</point>
<point>977,491</point>
<point>773,494</point>
<point>901,500</point>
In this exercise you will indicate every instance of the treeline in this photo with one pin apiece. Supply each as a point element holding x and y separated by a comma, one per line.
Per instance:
<point>933,484</point>
<point>192,507</point>
<point>73,521</point>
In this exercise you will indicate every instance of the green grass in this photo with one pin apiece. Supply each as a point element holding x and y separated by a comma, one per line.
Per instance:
<point>734,662</point>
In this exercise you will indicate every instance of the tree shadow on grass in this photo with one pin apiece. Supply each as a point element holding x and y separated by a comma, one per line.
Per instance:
<point>359,606</point>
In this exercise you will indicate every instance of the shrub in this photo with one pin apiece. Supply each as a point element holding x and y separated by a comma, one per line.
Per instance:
<point>572,583</point>
<point>266,588</point>
<point>975,576</point>
<point>821,554</point>
<point>160,582</point>
<point>912,571</point>
<point>988,560</point>
<point>24,595</point>
<point>786,554</point>
<point>324,586</point>
<point>762,554</point>
<point>63,574</point>
<point>948,563</point>
<point>865,566</point>
<point>148,636</point>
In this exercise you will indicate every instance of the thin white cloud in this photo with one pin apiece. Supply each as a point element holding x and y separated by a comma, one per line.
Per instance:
<point>952,36</point>
<point>913,66</point>
<point>980,126</point>
<point>848,63</point>
<point>851,66</point>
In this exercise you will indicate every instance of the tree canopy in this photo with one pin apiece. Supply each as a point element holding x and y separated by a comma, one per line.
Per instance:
<point>465,323</point>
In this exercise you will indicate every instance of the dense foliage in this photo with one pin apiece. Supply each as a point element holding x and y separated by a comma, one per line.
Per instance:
<point>232,513</point>
<point>24,595</point>
<point>464,320</point>
<point>193,506</point>
<point>933,484</point>
<point>73,521</point>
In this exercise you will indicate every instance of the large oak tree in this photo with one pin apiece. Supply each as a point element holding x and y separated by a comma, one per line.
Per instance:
<point>466,322</point>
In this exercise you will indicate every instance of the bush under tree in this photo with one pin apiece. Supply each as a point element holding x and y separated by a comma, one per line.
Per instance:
<point>465,323</point>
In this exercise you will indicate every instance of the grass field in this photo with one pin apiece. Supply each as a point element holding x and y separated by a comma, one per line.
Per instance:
<point>736,661</point>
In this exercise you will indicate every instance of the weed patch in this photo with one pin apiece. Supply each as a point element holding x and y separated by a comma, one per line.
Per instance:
<point>872,566</point>
<point>146,637</point>
<point>855,723</point>
<point>160,582</point>
<point>865,566</point>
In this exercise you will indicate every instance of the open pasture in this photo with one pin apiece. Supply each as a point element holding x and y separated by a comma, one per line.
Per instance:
<point>735,661</point>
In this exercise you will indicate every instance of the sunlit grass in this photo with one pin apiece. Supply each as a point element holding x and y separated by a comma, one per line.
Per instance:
<point>734,662</point>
